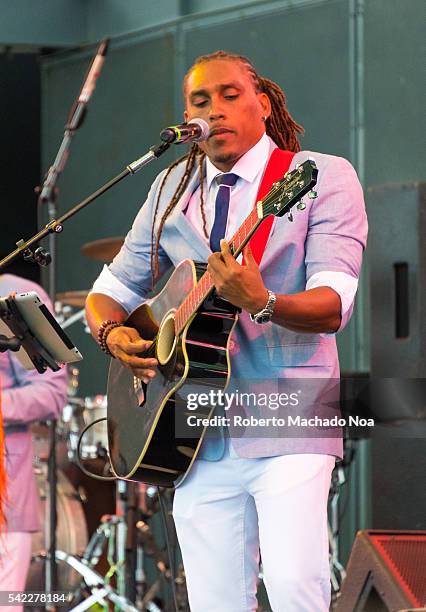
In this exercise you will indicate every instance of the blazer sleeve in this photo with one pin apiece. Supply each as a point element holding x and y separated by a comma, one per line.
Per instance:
<point>132,265</point>
<point>337,229</point>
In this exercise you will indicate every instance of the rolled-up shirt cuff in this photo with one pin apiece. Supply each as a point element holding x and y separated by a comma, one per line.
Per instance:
<point>110,285</point>
<point>343,284</point>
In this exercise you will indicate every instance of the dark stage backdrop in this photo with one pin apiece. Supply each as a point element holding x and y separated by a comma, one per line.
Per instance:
<point>19,153</point>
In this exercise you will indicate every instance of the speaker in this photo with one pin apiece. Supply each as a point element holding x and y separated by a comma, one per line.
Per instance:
<point>397,262</point>
<point>386,572</point>
<point>397,386</point>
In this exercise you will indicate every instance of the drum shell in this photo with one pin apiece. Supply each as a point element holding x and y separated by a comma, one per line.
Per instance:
<point>71,533</point>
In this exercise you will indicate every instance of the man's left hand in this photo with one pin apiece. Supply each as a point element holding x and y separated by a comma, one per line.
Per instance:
<point>241,285</point>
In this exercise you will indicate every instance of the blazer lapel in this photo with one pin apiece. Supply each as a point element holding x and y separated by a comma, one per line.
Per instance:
<point>187,231</point>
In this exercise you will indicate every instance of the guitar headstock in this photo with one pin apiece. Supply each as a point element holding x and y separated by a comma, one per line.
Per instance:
<point>289,191</point>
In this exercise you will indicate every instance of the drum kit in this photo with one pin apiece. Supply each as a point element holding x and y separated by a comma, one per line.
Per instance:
<point>104,532</point>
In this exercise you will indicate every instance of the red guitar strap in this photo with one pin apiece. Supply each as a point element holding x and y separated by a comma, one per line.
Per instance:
<point>277,166</point>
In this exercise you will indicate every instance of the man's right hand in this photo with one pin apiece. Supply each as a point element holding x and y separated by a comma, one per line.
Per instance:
<point>125,343</point>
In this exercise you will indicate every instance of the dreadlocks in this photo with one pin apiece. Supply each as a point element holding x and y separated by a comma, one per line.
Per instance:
<point>280,126</point>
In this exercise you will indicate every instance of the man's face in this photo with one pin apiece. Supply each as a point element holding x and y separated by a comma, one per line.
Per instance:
<point>222,93</point>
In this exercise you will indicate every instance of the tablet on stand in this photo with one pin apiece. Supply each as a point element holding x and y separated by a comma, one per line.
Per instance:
<point>26,323</point>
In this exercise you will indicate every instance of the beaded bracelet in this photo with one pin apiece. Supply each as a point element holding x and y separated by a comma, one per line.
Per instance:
<point>103,332</point>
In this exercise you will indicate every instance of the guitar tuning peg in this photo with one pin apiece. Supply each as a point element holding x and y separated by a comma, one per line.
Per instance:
<point>290,217</point>
<point>301,205</point>
<point>312,195</point>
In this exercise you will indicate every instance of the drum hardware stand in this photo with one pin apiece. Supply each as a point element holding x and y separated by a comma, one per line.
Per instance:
<point>171,544</point>
<point>133,538</point>
<point>125,556</point>
<point>100,590</point>
<point>99,587</point>
<point>146,545</point>
<point>126,542</point>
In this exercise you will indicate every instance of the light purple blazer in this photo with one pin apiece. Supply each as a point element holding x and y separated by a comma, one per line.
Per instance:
<point>27,396</point>
<point>329,236</point>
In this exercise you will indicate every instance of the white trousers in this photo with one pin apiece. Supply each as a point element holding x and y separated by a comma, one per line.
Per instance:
<point>15,557</point>
<point>225,511</point>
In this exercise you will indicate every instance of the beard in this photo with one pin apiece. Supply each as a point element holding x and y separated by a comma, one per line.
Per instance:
<point>229,158</point>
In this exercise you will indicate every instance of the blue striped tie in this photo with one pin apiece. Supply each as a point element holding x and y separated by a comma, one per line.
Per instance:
<point>221,206</point>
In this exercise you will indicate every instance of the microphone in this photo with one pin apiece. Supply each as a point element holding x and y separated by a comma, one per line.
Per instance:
<point>194,131</point>
<point>94,72</point>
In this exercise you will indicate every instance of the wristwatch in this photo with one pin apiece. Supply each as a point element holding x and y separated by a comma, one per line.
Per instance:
<point>265,315</point>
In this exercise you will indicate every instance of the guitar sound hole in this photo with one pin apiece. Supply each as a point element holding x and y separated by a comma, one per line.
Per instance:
<point>166,339</point>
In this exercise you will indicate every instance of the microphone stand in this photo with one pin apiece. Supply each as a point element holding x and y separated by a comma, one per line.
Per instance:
<point>47,195</point>
<point>55,226</point>
<point>48,192</point>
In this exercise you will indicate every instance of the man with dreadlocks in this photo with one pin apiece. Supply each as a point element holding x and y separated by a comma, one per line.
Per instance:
<point>246,495</point>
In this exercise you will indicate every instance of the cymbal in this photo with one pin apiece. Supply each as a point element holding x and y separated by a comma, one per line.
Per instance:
<point>73,298</point>
<point>104,249</point>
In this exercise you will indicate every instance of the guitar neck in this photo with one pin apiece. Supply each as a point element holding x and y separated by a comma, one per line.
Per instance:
<point>205,285</point>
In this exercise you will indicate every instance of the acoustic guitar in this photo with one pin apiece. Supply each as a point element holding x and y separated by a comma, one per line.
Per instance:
<point>190,327</point>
